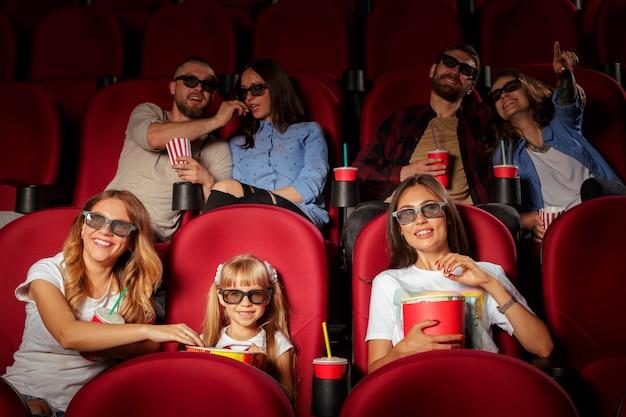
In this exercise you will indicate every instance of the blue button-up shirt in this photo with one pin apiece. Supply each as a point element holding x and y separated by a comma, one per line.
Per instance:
<point>298,158</point>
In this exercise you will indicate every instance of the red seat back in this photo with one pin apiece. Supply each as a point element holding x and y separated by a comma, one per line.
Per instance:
<point>78,42</point>
<point>188,29</point>
<point>43,233</point>
<point>104,130</point>
<point>514,32</point>
<point>395,34</point>
<point>11,402</point>
<point>305,37</point>
<point>8,48</point>
<point>609,25</point>
<point>288,241</point>
<point>455,382</point>
<point>180,384</point>
<point>582,287</point>
<point>32,150</point>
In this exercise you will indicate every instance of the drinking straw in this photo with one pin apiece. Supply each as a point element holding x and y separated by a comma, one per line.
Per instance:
<point>325,329</point>
<point>503,154</point>
<point>118,301</point>
<point>345,154</point>
<point>432,131</point>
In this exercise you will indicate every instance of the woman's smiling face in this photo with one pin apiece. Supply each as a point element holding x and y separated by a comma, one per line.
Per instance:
<point>510,103</point>
<point>423,234</point>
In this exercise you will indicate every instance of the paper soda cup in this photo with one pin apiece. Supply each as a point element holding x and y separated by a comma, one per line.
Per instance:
<point>448,309</point>
<point>345,173</point>
<point>548,214</point>
<point>178,147</point>
<point>101,315</point>
<point>330,367</point>
<point>505,171</point>
<point>444,154</point>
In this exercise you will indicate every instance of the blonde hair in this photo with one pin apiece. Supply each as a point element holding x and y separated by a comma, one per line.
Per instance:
<point>248,270</point>
<point>139,269</point>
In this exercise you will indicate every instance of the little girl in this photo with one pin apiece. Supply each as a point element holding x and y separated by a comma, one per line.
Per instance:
<point>246,311</point>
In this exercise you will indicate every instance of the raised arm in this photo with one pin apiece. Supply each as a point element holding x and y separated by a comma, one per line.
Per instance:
<point>564,64</point>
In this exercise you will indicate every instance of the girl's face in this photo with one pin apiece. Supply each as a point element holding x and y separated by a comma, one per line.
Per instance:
<point>510,103</point>
<point>259,105</point>
<point>423,234</point>
<point>245,314</point>
<point>101,246</point>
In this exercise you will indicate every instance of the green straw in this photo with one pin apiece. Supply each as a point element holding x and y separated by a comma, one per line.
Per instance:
<point>503,154</point>
<point>118,301</point>
<point>345,154</point>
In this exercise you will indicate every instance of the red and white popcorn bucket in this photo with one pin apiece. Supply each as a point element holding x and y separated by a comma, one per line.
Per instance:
<point>178,147</point>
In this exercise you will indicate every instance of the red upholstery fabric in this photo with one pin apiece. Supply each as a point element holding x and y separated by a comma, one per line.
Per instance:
<point>11,403</point>
<point>603,123</point>
<point>392,91</point>
<point>8,48</point>
<point>289,242</point>
<point>488,238</point>
<point>603,377</point>
<point>94,46</point>
<point>458,382</point>
<point>583,286</point>
<point>181,384</point>
<point>104,130</point>
<point>402,35</point>
<point>188,29</point>
<point>33,150</point>
<point>514,32</point>
<point>23,242</point>
<point>305,37</point>
<point>609,25</point>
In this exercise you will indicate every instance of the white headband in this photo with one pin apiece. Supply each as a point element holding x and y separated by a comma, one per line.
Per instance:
<point>270,269</point>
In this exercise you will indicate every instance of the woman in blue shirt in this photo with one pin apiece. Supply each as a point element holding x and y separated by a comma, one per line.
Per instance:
<point>542,133</point>
<point>279,159</point>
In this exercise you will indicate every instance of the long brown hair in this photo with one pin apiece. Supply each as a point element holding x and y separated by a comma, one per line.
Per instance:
<point>139,269</point>
<point>402,254</point>
<point>540,103</point>
<point>285,105</point>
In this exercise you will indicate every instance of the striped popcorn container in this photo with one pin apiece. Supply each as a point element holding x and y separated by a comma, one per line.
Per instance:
<point>548,214</point>
<point>178,147</point>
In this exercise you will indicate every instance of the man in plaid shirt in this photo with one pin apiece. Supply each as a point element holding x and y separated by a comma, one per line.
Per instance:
<point>399,148</point>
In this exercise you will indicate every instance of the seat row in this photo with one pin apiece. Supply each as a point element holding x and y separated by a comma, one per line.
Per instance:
<point>583,313</point>
<point>82,167</point>
<point>387,36</point>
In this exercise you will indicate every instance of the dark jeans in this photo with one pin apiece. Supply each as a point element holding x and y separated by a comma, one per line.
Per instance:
<point>367,210</point>
<point>251,195</point>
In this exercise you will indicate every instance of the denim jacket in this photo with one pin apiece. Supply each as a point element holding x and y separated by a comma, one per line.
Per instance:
<point>564,134</point>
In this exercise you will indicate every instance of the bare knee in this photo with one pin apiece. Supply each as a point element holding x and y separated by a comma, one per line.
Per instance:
<point>232,187</point>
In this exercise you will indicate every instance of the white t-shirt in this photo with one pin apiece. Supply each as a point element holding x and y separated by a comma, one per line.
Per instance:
<point>561,177</point>
<point>227,342</point>
<point>392,286</point>
<point>42,368</point>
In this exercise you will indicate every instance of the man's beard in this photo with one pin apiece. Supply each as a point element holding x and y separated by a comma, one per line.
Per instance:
<point>190,112</point>
<point>451,93</point>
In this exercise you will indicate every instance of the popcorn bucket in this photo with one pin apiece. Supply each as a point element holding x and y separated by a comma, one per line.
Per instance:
<point>178,147</point>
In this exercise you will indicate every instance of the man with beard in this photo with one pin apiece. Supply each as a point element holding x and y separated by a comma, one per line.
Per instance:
<point>399,148</point>
<point>144,167</point>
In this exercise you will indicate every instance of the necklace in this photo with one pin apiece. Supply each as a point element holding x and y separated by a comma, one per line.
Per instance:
<point>539,149</point>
